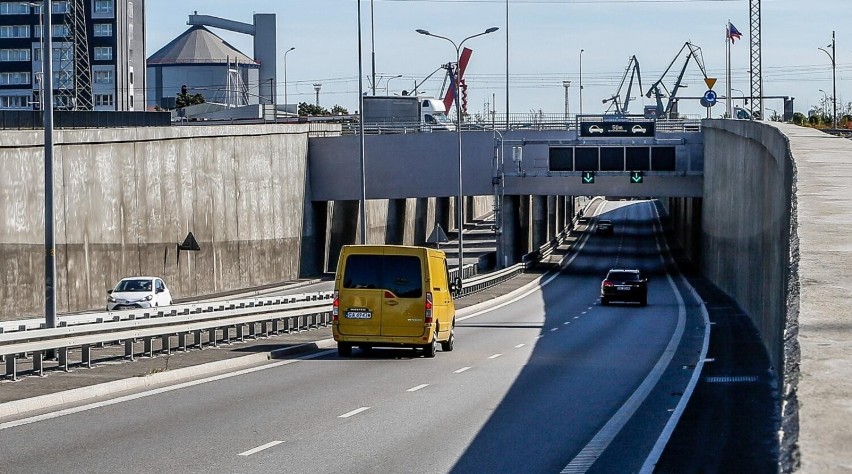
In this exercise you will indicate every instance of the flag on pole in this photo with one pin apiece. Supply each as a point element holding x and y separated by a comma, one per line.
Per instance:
<point>733,33</point>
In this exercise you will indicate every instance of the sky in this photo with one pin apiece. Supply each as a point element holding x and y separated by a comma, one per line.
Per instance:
<point>544,42</point>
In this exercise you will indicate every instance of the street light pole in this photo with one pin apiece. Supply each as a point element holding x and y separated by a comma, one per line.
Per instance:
<point>362,159</point>
<point>567,85</point>
<point>373,43</point>
<point>833,55</point>
<point>507,65</point>
<point>456,80</point>
<point>285,76</point>
<point>581,81</point>
<point>47,111</point>
<point>388,82</point>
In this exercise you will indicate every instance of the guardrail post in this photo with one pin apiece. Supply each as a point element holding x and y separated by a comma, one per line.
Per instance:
<point>128,349</point>
<point>289,328</point>
<point>226,335</point>
<point>211,337</point>
<point>11,367</point>
<point>275,329</point>
<point>86,355</point>
<point>182,341</point>
<point>149,346</point>
<point>241,329</point>
<point>38,366</point>
<point>264,328</point>
<point>300,322</point>
<point>252,329</point>
<point>166,342</point>
<point>62,355</point>
<point>197,339</point>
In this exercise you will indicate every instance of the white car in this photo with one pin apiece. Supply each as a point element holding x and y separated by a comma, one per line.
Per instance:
<point>138,292</point>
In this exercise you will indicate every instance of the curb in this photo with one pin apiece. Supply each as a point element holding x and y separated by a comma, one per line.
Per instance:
<point>27,405</point>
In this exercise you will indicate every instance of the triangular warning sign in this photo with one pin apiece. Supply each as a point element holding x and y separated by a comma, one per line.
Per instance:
<point>710,81</point>
<point>189,243</point>
<point>438,236</point>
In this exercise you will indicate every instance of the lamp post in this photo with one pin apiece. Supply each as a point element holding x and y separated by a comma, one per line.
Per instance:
<point>373,43</point>
<point>581,81</point>
<point>567,85</point>
<point>825,97</point>
<point>742,95</point>
<point>47,112</point>
<point>833,55</point>
<point>460,203</point>
<point>388,82</point>
<point>285,76</point>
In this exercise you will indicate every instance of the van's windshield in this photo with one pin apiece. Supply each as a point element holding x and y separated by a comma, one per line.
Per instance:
<point>399,274</point>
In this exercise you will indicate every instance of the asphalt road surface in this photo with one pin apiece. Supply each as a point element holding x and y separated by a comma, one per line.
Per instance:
<point>549,381</point>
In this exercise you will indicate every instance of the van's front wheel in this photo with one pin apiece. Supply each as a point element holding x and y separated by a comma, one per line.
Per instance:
<point>447,346</point>
<point>344,349</point>
<point>429,350</point>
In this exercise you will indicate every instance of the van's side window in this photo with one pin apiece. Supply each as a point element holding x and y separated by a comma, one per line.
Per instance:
<point>402,275</point>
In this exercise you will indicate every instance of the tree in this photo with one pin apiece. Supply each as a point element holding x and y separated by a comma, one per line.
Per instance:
<point>311,109</point>
<point>184,99</point>
<point>339,110</point>
<point>799,118</point>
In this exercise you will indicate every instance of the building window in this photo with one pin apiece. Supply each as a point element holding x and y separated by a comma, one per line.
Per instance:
<point>14,54</point>
<point>104,100</point>
<point>14,8</point>
<point>64,53</point>
<point>14,102</point>
<point>103,53</point>
<point>103,29</point>
<point>15,31</point>
<point>104,6</point>
<point>103,77</point>
<point>60,7</point>
<point>14,78</point>
<point>59,31</point>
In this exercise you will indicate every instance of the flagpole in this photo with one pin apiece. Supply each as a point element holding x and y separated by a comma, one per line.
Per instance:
<point>728,72</point>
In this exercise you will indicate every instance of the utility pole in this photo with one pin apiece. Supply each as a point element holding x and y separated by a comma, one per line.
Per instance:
<point>567,85</point>
<point>833,56</point>
<point>756,71</point>
<point>49,232</point>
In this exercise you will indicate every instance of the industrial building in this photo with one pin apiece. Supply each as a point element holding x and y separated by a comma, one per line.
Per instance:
<point>98,55</point>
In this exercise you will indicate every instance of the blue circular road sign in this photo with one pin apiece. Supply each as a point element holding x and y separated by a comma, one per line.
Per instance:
<point>710,97</point>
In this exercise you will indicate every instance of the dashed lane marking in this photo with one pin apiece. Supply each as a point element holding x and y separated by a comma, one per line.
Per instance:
<point>461,370</point>
<point>414,389</point>
<point>260,448</point>
<point>354,412</point>
<point>495,356</point>
<point>554,329</point>
<point>519,346</point>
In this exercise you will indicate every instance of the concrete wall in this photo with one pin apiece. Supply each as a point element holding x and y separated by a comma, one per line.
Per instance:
<point>126,197</point>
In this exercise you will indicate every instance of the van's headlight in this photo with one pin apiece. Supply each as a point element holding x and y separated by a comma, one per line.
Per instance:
<point>111,299</point>
<point>147,298</point>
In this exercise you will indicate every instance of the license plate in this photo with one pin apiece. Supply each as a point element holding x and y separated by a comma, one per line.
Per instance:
<point>623,288</point>
<point>359,314</point>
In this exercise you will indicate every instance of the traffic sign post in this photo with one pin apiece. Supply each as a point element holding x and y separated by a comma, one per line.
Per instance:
<point>637,177</point>
<point>588,177</point>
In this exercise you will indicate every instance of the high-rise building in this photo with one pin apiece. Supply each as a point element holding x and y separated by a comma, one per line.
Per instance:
<point>98,54</point>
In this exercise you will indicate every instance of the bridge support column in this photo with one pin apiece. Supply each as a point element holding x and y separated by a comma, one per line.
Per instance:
<point>421,224</point>
<point>539,221</point>
<point>395,226</point>
<point>344,229</point>
<point>522,237</point>
<point>552,221</point>
<point>442,213</point>
<point>507,240</point>
<point>313,238</point>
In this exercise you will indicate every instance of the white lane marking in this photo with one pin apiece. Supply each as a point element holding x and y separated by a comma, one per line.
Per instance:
<point>354,412</point>
<point>519,346</point>
<point>576,317</point>
<point>584,312</point>
<point>554,329</point>
<point>564,263</point>
<point>589,307</point>
<point>539,337</point>
<point>566,323</point>
<point>260,448</point>
<point>592,451</point>
<point>414,389</point>
<point>665,435</point>
<point>495,356</point>
<point>461,370</point>
<point>156,391</point>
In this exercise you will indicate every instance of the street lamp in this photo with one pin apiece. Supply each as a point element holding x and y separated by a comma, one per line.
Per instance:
<point>567,85</point>
<point>833,55</point>
<point>581,81</point>
<point>825,97</point>
<point>285,76</point>
<point>47,112</point>
<point>460,203</point>
<point>388,82</point>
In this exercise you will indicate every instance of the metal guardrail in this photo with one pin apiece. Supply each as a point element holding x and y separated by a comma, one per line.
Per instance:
<point>272,315</point>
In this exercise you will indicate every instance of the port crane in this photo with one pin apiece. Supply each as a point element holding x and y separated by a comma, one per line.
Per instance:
<point>660,91</point>
<point>622,105</point>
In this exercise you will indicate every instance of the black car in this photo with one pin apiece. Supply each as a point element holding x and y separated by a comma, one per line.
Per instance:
<point>626,286</point>
<point>604,227</point>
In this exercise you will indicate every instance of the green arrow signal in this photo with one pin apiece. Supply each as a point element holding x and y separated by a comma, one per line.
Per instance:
<point>588,177</point>
<point>636,177</point>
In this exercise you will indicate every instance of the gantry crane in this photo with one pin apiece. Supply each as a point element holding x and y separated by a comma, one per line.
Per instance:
<point>622,105</point>
<point>659,90</point>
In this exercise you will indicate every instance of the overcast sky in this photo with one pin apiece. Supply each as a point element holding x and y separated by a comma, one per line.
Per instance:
<point>545,38</point>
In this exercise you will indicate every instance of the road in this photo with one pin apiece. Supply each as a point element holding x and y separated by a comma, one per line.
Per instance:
<point>530,385</point>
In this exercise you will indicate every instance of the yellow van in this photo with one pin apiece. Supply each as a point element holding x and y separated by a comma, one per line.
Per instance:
<point>393,296</point>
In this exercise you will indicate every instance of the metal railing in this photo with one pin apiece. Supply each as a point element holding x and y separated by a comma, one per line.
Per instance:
<point>259,316</point>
